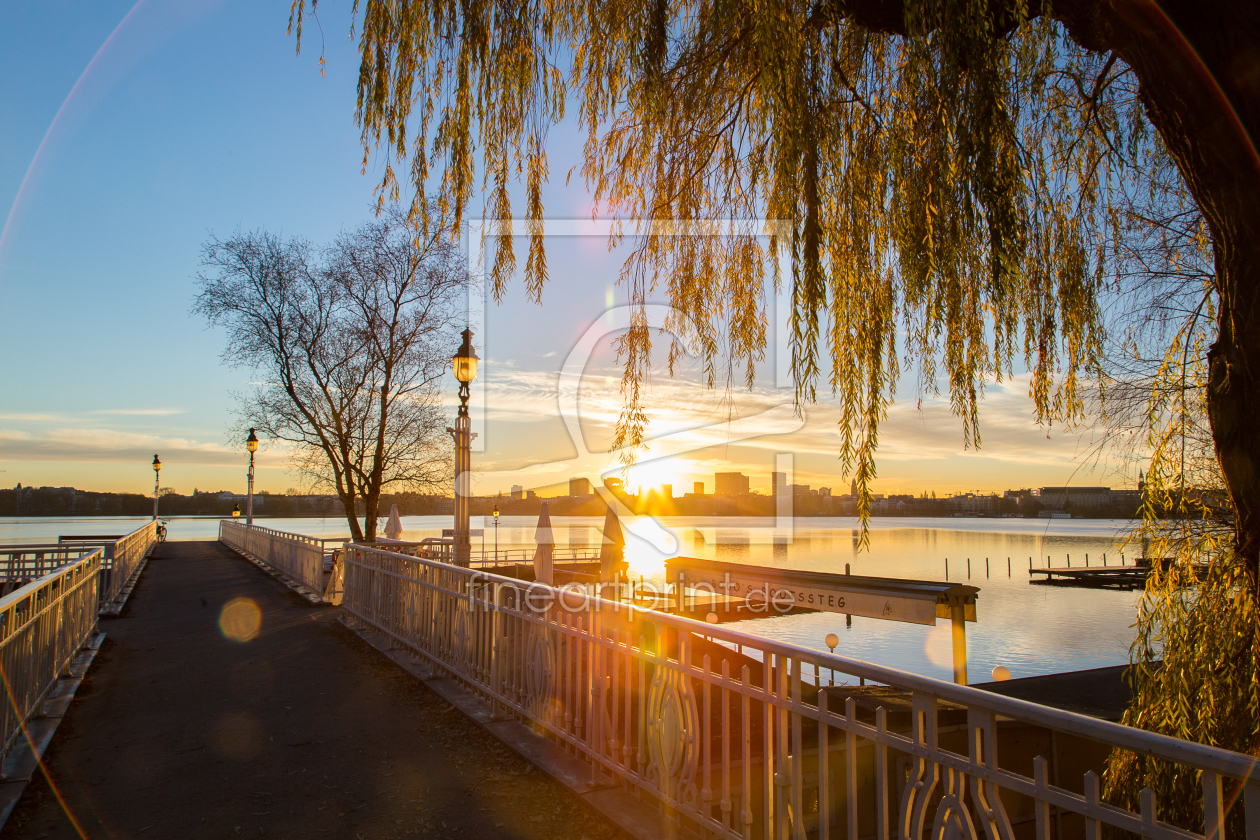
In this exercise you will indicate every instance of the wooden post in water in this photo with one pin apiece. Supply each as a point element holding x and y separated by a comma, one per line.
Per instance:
<point>946,568</point>
<point>958,630</point>
<point>848,617</point>
<point>1069,557</point>
<point>1104,559</point>
<point>1008,565</point>
<point>1087,561</point>
<point>968,568</point>
<point>986,567</point>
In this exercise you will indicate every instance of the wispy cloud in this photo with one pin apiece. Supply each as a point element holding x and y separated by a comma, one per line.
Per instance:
<point>140,412</point>
<point>108,446</point>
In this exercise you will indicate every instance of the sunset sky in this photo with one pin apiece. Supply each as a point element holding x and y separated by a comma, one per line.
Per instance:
<point>132,132</point>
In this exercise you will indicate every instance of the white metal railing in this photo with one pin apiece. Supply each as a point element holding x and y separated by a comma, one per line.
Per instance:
<point>504,556</point>
<point>441,548</point>
<point>20,564</point>
<point>739,736</point>
<point>122,556</point>
<point>42,625</point>
<point>298,556</point>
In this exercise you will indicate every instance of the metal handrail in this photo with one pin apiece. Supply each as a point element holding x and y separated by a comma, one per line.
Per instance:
<point>122,557</point>
<point>297,555</point>
<point>732,732</point>
<point>42,626</point>
<point>20,564</point>
<point>505,556</point>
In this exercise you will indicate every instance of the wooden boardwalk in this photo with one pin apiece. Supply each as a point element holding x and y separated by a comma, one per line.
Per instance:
<point>301,731</point>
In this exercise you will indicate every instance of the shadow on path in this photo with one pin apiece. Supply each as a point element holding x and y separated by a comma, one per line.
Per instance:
<point>301,731</point>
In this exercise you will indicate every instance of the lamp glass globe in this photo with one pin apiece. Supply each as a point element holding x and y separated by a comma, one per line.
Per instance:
<point>832,640</point>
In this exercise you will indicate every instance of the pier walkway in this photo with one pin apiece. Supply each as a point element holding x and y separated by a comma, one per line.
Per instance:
<point>301,731</point>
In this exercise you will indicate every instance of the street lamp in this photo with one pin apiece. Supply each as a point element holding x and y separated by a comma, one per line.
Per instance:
<point>157,470</point>
<point>464,365</point>
<point>251,443</point>
<point>496,535</point>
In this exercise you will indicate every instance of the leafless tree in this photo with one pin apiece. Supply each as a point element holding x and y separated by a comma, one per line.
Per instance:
<point>348,344</point>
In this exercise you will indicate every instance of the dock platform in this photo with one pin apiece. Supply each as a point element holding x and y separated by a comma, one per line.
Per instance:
<point>1095,577</point>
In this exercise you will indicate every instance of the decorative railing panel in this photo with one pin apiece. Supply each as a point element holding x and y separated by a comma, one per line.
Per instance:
<point>42,626</point>
<point>739,736</point>
<point>298,556</point>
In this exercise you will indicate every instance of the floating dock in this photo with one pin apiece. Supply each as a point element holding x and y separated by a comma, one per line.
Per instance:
<point>1095,577</point>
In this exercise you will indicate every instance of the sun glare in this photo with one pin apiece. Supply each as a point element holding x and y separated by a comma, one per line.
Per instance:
<point>653,475</point>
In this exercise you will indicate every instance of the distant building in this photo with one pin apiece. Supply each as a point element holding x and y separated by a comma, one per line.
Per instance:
<point>667,491</point>
<point>730,484</point>
<point>824,491</point>
<point>1129,499</point>
<point>697,487</point>
<point>579,487</point>
<point>1075,498</point>
<point>518,492</point>
<point>531,495</point>
<point>778,483</point>
<point>971,504</point>
<point>853,488</point>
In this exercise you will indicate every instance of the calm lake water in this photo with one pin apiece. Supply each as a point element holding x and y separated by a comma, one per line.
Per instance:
<point>1029,629</point>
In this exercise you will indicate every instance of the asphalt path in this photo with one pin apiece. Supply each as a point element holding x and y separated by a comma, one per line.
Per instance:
<point>222,705</point>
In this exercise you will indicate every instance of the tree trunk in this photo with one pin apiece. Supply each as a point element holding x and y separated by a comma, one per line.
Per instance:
<point>371,510</point>
<point>1199,72</point>
<point>350,503</point>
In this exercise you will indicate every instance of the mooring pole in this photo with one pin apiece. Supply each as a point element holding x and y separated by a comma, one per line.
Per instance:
<point>958,622</point>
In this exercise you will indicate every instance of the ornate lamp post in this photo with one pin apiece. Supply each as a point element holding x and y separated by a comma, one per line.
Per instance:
<point>251,443</point>
<point>464,365</point>
<point>157,471</point>
<point>496,535</point>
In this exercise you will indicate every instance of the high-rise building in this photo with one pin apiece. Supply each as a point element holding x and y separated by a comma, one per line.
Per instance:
<point>697,487</point>
<point>518,492</point>
<point>579,487</point>
<point>730,484</point>
<point>778,483</point>
<point>667,491</point>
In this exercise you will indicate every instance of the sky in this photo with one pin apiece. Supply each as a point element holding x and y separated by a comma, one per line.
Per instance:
<point>132,132</point>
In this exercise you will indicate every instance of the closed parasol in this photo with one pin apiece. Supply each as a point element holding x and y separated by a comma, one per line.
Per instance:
<point>543,555</point>
<point>393,528</point>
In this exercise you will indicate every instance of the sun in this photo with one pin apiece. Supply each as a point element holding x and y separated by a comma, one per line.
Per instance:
<point>654,474</point>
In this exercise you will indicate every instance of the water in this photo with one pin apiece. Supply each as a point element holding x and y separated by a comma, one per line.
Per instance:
<point>1029,629</point>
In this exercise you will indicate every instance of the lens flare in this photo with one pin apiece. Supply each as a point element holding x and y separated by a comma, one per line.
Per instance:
<point>939,646</point>
<point>240,620</point>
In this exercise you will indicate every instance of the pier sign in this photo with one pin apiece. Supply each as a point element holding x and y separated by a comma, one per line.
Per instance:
<point>779,590</point>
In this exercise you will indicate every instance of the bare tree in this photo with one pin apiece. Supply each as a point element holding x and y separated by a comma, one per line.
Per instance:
<point>348,345</point>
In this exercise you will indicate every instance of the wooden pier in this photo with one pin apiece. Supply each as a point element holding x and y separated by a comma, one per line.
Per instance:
<point>1106,577</point>
<point>1095,577</point>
